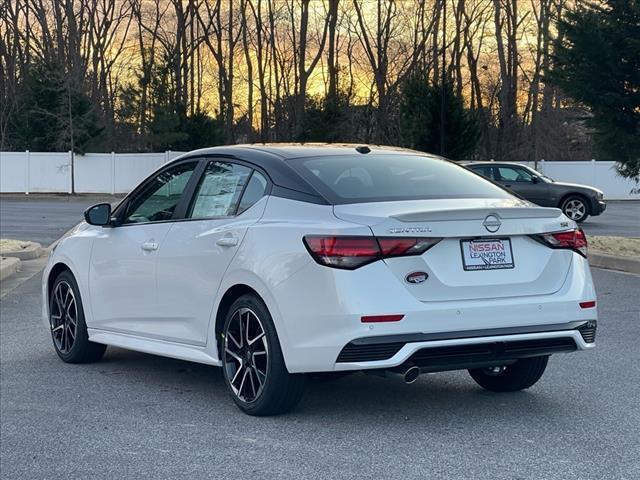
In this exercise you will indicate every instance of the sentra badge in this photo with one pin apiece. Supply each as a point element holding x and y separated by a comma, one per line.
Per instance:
<point>410,230</point>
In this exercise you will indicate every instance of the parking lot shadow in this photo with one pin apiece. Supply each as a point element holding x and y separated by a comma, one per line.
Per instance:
<point>441,398</point>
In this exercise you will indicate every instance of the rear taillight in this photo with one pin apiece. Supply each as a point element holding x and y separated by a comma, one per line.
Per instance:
<point>351,252</point>
<point>573,240</point>
<point>343,252</point>
<point>403,247</point>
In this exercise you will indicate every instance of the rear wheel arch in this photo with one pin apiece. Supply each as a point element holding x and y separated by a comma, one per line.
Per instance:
<point>231,295</point>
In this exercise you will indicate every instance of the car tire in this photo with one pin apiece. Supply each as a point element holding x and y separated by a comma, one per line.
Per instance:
<point>511,378</point>
<point>576,208</point>
<point>68,326</point>
<point>253,365</point>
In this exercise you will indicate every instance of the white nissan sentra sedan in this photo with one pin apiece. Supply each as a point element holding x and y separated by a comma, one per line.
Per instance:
<point>276,261</point>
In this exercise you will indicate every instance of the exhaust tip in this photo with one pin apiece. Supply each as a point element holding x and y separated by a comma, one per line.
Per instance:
<point>411,375</point>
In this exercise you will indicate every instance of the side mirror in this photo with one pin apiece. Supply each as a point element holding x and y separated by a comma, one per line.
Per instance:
<point>99,214</point>
<point>535,179</point>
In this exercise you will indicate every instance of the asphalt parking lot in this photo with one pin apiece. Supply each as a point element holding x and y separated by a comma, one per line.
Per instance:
<point>621,218</point>
<point>43,218</point>
<point>138,416</point>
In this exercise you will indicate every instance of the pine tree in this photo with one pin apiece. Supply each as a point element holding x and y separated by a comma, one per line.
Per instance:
<point>326,119</point>
<point>598,64</point>
<point>420,119</point>
<point>54,113</point>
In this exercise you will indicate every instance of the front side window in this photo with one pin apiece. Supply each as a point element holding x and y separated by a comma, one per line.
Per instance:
<point>385,177</point>
<point>509,174</point>
<point>219,190</point>
<point>158,200</point>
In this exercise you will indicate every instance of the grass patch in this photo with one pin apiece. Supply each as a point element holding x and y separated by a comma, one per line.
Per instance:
<point>8,245</point>
<point>620,246</point>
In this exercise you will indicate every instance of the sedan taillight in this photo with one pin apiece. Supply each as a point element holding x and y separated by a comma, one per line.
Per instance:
<point>351,252</point>
<point>574,240</point>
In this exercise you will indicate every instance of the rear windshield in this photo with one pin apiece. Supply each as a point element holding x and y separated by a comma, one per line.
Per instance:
<point>382,178</point>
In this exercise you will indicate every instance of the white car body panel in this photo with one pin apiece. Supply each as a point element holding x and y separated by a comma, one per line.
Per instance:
<point>191,251</point>
<point>166,301</point>
<point>155,346</point>
<point>122,278</point>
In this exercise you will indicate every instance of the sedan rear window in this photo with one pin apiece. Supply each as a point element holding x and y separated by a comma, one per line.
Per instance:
<point>382,178</point>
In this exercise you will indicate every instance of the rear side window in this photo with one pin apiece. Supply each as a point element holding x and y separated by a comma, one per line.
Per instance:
<point>380,178</point>
<point>219,190</point>
<point>255,190</point>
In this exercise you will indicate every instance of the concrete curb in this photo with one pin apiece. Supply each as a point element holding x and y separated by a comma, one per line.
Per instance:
<point>8,266</point>
<point>613,262</point>
<point>31,251</point>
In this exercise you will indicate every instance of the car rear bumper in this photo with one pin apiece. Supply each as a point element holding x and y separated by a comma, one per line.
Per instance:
<point>461,350</point>
<point>322,332</point>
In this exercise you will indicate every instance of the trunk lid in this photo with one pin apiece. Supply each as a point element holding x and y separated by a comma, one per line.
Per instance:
<point>537,269</point>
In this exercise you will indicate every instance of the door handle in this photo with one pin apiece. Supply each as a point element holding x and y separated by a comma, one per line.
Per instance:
<point>149,246</point>
<point>228,241</point>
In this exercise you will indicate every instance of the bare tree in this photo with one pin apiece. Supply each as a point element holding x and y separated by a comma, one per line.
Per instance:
<point>507,23</point>
<point>391,56</point>
<point>221,37</point>
<point>258,61</point>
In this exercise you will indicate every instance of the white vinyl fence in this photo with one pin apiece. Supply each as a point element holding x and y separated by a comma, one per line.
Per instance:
<point>38,172</point>
<point>601,175</point>
<point>31,172</point>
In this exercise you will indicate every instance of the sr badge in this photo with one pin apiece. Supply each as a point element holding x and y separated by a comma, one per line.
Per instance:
<point>416,277</point>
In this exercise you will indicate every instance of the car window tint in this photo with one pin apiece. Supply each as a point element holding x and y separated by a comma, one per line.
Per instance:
<point>219,190</point>
<point>159,198</point>
<point>385,177</point>
<point>484,171</point>
<point>514,174</point>
<point>255,190</point>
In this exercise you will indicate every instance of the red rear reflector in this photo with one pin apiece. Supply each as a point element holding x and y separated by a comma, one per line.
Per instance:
<point>589,304</point>
<point>381,318</point>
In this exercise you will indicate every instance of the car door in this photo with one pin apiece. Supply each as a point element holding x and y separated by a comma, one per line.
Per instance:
<point>521,181</point>
<point>122,271</point>
<point>229,198</point>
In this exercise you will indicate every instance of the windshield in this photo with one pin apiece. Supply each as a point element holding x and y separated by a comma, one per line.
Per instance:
<point>541,175</point>
<point>384,177</point>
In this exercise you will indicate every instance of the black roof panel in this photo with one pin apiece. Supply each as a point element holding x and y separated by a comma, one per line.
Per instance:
<point>272,158</point>
<point>298,150</point>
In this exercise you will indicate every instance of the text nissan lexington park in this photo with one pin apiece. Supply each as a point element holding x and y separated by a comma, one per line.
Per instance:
<point>277,261</point>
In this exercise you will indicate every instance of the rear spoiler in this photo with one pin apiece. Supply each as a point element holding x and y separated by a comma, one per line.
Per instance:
<point>478,214</point>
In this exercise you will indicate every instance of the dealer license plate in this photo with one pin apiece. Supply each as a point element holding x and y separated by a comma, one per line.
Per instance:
<point>490,254</point>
